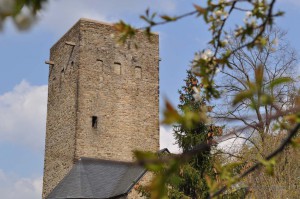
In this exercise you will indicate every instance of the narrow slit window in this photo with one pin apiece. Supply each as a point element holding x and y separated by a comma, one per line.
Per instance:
<point>99,65</point>
<point>94,121</point>
<point>138,72</point>
<point>117,68</point>
<point>62,75</point>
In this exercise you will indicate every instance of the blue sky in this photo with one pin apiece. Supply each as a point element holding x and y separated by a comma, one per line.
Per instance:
<point>24,76</point>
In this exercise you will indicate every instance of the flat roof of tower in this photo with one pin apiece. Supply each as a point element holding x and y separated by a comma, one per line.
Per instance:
<point>92,21</point>
<point>96,21</point>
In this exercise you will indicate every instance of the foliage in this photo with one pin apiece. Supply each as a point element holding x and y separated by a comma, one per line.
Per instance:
<point>280,180</point>
<point>192,181</point>
<point>23,12</point>
<point>192,100</point>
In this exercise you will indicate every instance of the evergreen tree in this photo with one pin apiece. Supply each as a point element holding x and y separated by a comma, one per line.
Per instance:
<point>192,183</point>
<point>190,179</point>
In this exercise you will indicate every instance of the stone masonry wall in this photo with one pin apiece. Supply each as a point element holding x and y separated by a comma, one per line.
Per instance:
<point>144,182</point>
<point>102,100</point>
<point>118,85</point>
<point>61,110</point>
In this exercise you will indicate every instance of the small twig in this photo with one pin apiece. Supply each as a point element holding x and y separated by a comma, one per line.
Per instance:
<point>175,19</point>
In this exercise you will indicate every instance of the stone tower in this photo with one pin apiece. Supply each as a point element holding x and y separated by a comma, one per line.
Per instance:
<point>102,98</point>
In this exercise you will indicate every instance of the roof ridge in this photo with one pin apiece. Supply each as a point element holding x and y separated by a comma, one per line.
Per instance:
<point>107,161</point>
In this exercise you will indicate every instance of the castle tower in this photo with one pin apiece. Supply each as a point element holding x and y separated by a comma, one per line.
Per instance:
<point>102,98</point>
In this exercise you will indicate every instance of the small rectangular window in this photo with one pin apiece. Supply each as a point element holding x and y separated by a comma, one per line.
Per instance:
<point>98,65</point>
<point>138,72</point>
<point>94,121</point>
<point>117,68</point>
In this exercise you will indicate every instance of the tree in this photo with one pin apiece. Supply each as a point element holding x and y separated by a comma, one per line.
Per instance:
<point>253,116</point>
<point>192,100</point>
<point>192,175</point>
<point>189,180</point>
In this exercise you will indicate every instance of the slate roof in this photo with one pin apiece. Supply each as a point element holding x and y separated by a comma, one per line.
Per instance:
<point>99,179</point>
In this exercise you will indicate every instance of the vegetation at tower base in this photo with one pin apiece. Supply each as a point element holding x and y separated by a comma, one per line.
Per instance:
<point>279,180</point>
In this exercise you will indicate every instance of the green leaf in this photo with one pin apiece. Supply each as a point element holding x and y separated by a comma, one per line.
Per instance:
<point>279,81</point>
<point>153,15</point>
<point>279,14</point>
<point>266,99</point>
<point>145,19</point>
<point>269,165</point>
<point>259,76</point>
<point>140,155</point>
<point>168,18</point>
<point>171,115</point>
<point>242,96</point>
<point>158,187</point>
<point>200,9</point>
<point>296,142</point>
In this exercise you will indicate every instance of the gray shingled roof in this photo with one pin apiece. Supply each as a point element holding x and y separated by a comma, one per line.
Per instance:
<point>94,178</point>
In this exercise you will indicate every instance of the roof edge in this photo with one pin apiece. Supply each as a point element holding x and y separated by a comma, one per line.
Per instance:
<point>164,150</point>
<point>106,160</point>
<point>96,21</point>
<point>93,21</point>
<point>136,181</point>
<point>109,24</point>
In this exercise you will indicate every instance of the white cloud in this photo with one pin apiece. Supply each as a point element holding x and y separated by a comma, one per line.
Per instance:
<point>167,140</point>
<point>59,16</point>
<point>14,187</point>
<point>23,115</point>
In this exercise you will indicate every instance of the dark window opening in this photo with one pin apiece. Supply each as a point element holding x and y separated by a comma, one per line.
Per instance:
<point>117,68</point>
<point>99,65</point>
<point>94,121</point>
